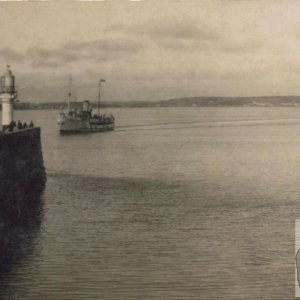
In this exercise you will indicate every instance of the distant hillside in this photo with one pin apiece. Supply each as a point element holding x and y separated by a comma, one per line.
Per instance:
<point>233,101</point>
<point>179,102</point>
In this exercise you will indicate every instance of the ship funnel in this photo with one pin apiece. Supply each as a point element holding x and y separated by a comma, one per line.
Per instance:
<point>86,105</point>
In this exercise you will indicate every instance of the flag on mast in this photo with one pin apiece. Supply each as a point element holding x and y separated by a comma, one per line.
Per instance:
<point>102,80</point>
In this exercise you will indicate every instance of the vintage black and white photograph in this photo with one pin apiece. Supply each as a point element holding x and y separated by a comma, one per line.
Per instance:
<point>150,150</point>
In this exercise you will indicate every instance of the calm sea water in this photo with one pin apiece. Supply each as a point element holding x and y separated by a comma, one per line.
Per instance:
<point>189,203</point>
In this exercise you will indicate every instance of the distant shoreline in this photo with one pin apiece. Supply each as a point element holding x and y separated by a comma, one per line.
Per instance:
<point>267,101</point>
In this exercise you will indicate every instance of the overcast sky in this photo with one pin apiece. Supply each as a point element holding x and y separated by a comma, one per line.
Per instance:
<point>152,50</point>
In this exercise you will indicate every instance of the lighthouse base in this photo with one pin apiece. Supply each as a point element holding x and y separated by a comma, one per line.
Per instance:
<point>5,128</point>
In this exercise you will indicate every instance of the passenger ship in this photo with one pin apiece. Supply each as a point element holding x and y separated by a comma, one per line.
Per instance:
<point>83,120</point>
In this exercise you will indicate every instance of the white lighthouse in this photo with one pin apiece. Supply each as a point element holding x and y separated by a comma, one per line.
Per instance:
<point>8,94</point>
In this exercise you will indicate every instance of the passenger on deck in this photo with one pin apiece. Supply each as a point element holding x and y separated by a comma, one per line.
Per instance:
<point>31,124</point>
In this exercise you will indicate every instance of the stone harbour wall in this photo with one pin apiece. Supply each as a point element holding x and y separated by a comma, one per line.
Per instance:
<point>22,175</point>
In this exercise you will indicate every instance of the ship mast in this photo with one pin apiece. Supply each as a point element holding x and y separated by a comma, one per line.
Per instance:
<point>70,91</point>
<point>99,95</point>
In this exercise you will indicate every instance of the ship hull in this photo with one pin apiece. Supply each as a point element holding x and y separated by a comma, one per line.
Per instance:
<point>79,125</point>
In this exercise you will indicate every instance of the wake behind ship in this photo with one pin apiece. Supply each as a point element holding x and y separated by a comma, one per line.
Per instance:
<point>82,119</point>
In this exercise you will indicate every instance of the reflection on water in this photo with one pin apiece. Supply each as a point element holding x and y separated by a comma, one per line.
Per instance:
<point>17,238</point>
